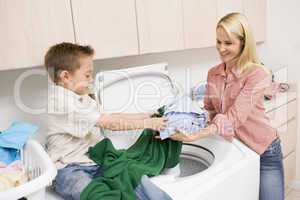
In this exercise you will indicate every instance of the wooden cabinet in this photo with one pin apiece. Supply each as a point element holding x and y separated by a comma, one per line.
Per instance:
<point>108,26</point>
<point>283,116</point>
<point>160,25</point>
<point>114,28</point>
<point>289,164</point>
<point>29,27</point>
<point>199,23</point>
<point>288,136</point>
<point>227,6</point>
<point>255,10</point>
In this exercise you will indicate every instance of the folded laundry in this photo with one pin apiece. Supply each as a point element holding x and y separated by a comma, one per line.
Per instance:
<point>12,175</point>
<point>11,179</point>
<point>183,114</point>
<point>14,166</point>
<point>13,139</point>
<point>187,122</point>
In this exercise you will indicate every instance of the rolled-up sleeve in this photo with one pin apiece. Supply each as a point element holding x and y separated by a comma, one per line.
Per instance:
<point>252,92</point>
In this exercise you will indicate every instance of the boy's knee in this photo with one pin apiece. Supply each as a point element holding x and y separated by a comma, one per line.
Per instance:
<point>71,185</point>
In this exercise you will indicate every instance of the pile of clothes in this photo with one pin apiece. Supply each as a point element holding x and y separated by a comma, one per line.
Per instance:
<point>124,170</point>
<point>185,115</point>
<point>12,141</point>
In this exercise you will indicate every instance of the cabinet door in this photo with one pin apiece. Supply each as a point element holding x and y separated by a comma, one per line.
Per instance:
<point>199,20</point>
<point>228,6</point>
<point>109,26</point>
<point>255,10</point>
<point>289,164</point>
<point>288,136</point>
<point>29,27</point>
<point>160,25</point>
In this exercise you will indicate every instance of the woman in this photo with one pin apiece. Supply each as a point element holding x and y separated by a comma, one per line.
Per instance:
<point>234,99</point>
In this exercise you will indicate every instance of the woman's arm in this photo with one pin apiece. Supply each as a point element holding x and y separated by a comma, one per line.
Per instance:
<point>237,114</point>
<point>205,132</point>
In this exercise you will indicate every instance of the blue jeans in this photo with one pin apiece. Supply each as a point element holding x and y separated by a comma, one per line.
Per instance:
<point>71,181</point>
<point>271,173</point>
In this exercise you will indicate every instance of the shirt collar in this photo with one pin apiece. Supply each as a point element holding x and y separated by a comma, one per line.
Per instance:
<point>60,90</point>
<point>222,71</point>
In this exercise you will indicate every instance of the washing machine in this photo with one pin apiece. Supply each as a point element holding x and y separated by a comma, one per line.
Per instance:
<point>209,169</point>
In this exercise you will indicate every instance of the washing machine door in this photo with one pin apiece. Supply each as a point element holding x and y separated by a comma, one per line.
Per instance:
<point>131,90</point>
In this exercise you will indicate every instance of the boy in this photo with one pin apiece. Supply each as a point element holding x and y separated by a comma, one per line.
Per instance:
<point>72,115</point>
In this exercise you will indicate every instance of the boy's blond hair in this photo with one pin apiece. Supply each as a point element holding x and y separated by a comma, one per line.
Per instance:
<point>65,56</point>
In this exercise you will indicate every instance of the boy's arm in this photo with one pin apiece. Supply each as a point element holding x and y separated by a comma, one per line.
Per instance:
<point>116,122</point>
<point>133,115</point>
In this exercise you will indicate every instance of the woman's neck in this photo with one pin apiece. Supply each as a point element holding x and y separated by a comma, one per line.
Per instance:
<point>232,66</point>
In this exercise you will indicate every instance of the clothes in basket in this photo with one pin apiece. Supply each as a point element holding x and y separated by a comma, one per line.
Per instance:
<point>13,139</point>
<point>12,175</point>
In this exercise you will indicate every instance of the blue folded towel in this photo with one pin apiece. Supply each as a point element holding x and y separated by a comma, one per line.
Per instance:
<point>13,139</point>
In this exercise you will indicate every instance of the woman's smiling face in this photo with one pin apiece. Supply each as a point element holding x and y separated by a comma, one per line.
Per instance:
<point>229,47</point>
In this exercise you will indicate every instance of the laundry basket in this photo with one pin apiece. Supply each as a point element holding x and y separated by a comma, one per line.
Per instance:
<point>40,171</point>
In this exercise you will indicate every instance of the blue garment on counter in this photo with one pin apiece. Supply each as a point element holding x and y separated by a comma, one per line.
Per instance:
<point>13,139</point>
<point>183,114</point>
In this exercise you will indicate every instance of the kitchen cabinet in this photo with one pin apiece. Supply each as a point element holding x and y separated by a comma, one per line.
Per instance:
<point>199,20</point>
<point>160,25</point>
<point>288,137</point>
<point>29,27</point>
<point>255,10</point>
<point>289,164</point>
<point>115,28</point>
<point>282,112</point>
<point>108,26</point>
<point>227,6</point>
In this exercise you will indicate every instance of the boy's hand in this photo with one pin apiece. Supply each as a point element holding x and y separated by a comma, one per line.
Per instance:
<point>156,123</point>
<point>147,114</point>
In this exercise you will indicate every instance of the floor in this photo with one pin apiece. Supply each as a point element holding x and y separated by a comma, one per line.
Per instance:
<point>50,195</point>
<point>294,194</point>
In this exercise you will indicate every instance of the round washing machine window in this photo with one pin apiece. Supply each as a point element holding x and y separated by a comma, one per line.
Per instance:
<point>194,159</point>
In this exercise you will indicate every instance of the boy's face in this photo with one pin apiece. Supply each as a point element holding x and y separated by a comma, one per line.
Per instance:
<point>79,80</point>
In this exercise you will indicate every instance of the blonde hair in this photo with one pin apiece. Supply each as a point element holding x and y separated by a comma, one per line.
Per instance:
<point>237,24</point>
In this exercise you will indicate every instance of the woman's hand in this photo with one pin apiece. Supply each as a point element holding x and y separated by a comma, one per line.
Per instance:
<point>205,132</point>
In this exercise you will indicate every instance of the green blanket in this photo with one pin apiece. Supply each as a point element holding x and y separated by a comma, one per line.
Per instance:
<point>123,169</point>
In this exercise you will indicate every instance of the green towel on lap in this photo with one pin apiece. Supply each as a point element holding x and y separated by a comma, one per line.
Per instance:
<point>123,169</point>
